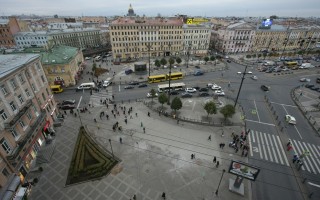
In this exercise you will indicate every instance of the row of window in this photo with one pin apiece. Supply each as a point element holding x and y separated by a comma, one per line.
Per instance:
<point>114,27</point>
<point>147,33</point>
<point>75,35</point>
<point>6,41</point>
<point>33,42</point>
<point>29,38</point>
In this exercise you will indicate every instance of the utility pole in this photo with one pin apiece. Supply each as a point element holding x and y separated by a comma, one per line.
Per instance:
<point>169,81</point>
<point>149,46</point>
<point>243,74</point>
<point>111,148</point>
<point>223,171</point>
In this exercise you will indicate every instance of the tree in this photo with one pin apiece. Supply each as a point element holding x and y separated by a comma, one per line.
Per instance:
<point>259,55</point>
<point>212,58</point>
<point>248,56</point>
<point>176,104</point>
<point>178,60</point>
<point>171,61</point>
<point>206,59</point>
<point>227,111</point>
<point>163,98</point>
<point>163,61</point>
<point>210,107</point>
<point>153,94</point>
<point>157,63</point>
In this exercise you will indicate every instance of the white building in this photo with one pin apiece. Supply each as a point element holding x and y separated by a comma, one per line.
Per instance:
<point>31,39</point>
<point>196,39</point>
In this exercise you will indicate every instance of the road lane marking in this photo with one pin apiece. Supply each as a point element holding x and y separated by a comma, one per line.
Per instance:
<point>79,102</point>
<point>255,105</point>
<point>269,152</point>
<point>311,161</point>
<point>119,88</point>
<point>283,104</point>
<point>251,153</point>
<point>272,148</point>
<point>249,120</point>
<point>282,151</point>
<point>314,155</point>
<point>297,131</point>
<point>252,137</point>
<point>263,146</point>
<point>259,146</point>
<point>276,145</point>
<point>298,151</point>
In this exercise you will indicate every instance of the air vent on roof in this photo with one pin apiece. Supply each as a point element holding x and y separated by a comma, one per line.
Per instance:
<point>46,61</point>
<point>65,58</point>
<point>53,61</point>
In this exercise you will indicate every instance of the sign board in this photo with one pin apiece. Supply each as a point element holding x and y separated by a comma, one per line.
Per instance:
<point>244,170</point>
<point>196,20</point>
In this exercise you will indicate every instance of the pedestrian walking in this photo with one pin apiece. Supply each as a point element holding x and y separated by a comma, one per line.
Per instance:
<point>95,120</point>
<point>126,121</point>
<point>289,148</point>
<point>289,143</point>
<point>148,114</point>
<point>141,124</point>
<point>120,140</point>
<point>217,165</point>
<point>223,144</point>
<point>134,197</point>
<point>242,154</point>
<point>107,117</point>
<point>144,130</point>
<point>114,115</point>
<point>295,158</point>
<point>214,159</point>
<point>136,114</point>
<point>222,134</point>
<point>163,195</point>
<point>65,112</point>
<point>209,138</point>
<point>220,145</point>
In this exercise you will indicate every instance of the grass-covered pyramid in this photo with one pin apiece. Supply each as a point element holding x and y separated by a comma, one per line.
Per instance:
<point>89,161</point>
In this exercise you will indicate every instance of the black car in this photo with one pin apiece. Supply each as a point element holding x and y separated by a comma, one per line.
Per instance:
<point>204,94</point>
<point>129,87</point>
<point>314,88</point>
<point>197,67</point>
<point>133,83</point>
<point>186,95</point>
<point>67,107</point>
<point>174,92</point>
<point>68,102</point>
<point>203,89</point>
<point>229,61</point>
<point>264,88</point>
<point>196,87</point>
<point>143,85</point>
<point>309,85</point>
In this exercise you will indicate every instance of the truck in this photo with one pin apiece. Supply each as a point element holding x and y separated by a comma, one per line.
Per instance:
<point>306,65</point>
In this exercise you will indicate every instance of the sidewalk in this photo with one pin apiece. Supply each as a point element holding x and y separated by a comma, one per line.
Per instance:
<point>153,162</point>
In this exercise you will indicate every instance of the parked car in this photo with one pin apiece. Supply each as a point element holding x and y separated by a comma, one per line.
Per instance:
<point>305,80</point>
<point>186,95</point>
<point>318,80</point>
<point>265,88</point>
<point>196,87</point>
<point>174,92</point>
<point>197,67</point>
<point>254,77</point>
<point>198,73</point>
<point>87,58</point>
<point>190,90</point>
<point>204,89</point>
<point>67,107</point>
<point>129,87</point>
<point>215,87</point>
<point>204,94</point>
<point>229,61</point>
<point>68,102</point>
<point>314,88</point>
<point>133,83</point>
<point>149,95</point>
<point>142,85</point>
<point>128,71</point>
<point>219,93</point>
<point>309,85</point>
<point>290,119</point>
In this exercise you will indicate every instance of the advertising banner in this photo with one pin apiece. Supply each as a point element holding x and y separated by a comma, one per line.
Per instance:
<point>244,170</point>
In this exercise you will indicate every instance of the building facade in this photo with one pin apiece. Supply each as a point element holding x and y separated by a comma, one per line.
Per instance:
<point>81,38</point>
<point>27,110</point>
<point>31,39</point>
<point>62,65</point>
<point>141,37</point>
<point>8,27</point>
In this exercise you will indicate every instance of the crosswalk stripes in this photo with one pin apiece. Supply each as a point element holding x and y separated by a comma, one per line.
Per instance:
<point>267,147</point>
<point>311,162</point>
<point>96,97</point>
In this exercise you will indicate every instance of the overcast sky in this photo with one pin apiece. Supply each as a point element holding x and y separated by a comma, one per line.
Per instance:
<point>242,8</point>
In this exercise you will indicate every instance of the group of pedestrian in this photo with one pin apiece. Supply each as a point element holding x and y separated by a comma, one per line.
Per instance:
<point>193,156</point>
<point>240,142</point>
<point>222,145</point>
<point>216,161</point>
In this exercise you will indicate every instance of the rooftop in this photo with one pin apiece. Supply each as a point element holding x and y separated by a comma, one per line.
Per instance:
<point>59,55</point>
<point>4,21</point>
<point>148,21</point>
<point>9,63</point>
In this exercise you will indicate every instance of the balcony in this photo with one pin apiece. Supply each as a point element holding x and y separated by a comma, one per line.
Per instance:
<point>15,119</point>
<point>23,140</point>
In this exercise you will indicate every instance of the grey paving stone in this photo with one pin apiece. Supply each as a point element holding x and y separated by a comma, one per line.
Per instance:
<point>116,195</point>
<point>122,187</point>
<point>115,183</point>
<point>78,196</point>
<point>130,191</point>
<point>108,191</point>
<point>94,194</point>
<point>87,190</point>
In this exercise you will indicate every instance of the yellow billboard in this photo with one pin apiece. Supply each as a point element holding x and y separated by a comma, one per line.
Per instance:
<point>196,20</point>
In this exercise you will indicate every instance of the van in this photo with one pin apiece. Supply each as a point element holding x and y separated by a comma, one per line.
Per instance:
<point>198,73</point>
<point>128,71</point>
<point>107,82</point>
<point>86,86</point>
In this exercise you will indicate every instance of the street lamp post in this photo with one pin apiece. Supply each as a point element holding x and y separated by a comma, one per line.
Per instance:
<point>267,50</point>
<point>169,45</point>
<point>111,147</point>
<point>223,171</point>
<point>149,46</point>
<point>244,73</point>
<point>188,53</point>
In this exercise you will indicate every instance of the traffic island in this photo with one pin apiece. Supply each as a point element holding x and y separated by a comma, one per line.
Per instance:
<point>89,160</point>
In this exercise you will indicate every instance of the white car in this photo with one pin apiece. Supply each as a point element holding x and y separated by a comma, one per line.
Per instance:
<point>249,72</point>
<point>219,93</point>
<point>290,119</point>
<point>254,77</point>
<point>215,87</point>
<point>191,90</point>
<point>87,58</point>
<point>209,85</point>
<point>149,95</point>
<point>305,80</point>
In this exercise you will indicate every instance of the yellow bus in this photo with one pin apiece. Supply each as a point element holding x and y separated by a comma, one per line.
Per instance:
<point>291,63</point>
<point>175,76</point>
<point>157,78</point>
<point>56,88</point>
